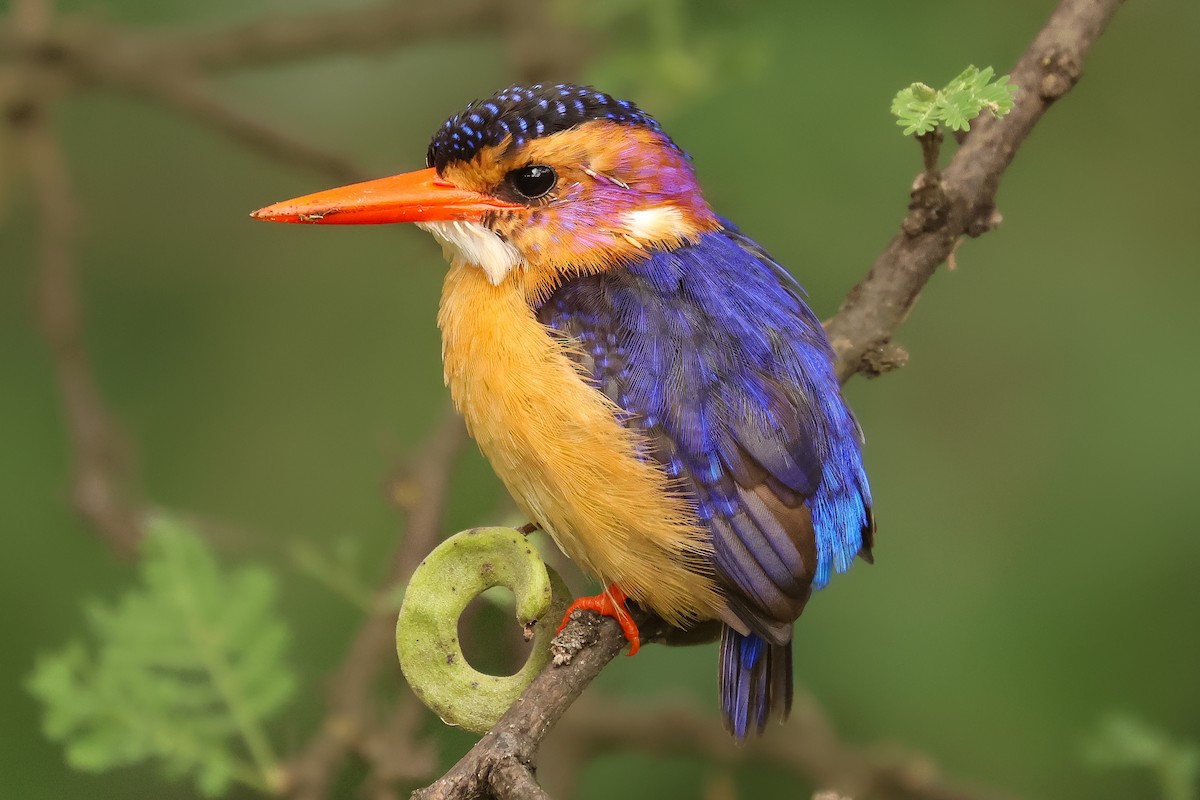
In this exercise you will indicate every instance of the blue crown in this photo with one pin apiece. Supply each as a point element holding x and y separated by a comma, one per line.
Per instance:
<point>528,112</point>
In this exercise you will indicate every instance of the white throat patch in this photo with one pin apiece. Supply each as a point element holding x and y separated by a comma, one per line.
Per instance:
<point>471,243</point>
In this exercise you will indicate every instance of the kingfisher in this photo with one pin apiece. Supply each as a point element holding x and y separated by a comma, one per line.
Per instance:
<point>646,380</point>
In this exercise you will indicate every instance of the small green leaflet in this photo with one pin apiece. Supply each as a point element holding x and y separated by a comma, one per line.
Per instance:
<point>919,108</point>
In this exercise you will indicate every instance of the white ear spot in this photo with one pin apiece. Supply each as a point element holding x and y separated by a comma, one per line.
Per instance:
<point>472,243</point>
<point>655,224</point>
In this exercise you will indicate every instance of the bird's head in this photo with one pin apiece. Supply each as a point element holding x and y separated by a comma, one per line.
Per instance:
<point>542,181</point>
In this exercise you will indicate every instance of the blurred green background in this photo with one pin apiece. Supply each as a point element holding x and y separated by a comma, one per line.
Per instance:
<point>1037,554</point>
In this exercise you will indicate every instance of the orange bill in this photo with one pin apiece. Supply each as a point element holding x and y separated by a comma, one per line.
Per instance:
<point>412,197</point>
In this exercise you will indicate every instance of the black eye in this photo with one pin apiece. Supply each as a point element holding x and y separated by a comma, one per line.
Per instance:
<point>533,181</point>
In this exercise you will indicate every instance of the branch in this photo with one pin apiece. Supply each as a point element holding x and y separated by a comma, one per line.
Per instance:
<point>349,721</point>
<point>501,763</point>
<point>269,39</point>
<point>191,96</point>
<point>100,454</point>
<point>286,37</point>
<point>101,472</point>
<point>874,309</point>
<point>809,748</point>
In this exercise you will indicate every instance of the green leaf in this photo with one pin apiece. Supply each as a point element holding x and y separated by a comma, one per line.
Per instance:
<point>915,108</point>
<point>185,670</point>
<point>919,109</point>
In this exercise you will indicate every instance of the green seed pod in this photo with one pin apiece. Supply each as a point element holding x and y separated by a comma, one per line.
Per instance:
<point>455,573</point>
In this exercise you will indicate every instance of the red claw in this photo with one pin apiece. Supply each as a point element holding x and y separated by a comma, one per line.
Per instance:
<point>610,603</point>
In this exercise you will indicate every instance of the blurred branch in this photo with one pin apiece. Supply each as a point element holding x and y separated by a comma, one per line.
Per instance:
<point>936,222</point>
<point>190,95</point>
<point>269,39</point>
<point>873,310</point>
<point>276,38</point>
<point>808,747</point>
<point>349,722</point>
<point>100,454</point>
<point>101,473</point>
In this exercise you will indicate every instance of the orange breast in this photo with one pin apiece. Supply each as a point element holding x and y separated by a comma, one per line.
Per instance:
<point>557,445</point>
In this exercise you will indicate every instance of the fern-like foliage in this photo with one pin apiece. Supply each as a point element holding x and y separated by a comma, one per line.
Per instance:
<point>184,671</point>
<point>920,108</point>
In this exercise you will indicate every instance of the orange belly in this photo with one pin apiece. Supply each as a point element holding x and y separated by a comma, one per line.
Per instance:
<point>556,444</point>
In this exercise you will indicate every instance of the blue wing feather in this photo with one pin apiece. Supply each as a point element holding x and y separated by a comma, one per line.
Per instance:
<point>714,354</point>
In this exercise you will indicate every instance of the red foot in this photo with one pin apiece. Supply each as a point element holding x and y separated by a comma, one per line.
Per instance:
<point>609,604</point>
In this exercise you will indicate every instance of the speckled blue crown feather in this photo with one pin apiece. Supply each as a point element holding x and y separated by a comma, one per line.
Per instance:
<point>528,112</point>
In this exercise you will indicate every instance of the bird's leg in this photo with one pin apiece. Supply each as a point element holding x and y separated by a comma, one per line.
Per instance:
<point>609,603</point>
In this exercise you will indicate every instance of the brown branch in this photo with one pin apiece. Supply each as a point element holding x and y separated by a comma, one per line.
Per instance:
<point>501,763</point>
<point>514,778</point>
<point>876,307</point>
<point>285,37</point>
<point>873,311</point>
<point>269,39</point>
<point>100,454</point>
<point>101,471</point>
<point>350,722</point>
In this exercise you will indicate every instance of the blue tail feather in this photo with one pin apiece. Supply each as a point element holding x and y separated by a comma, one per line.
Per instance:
<point>756,682</point>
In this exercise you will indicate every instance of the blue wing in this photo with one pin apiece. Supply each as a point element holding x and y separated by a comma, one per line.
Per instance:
<point>713,354</point>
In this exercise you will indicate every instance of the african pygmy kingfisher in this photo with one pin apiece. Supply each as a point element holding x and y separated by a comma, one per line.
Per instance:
<point>646,380</point>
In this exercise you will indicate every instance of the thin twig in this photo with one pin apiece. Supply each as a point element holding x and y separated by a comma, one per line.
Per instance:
<point>1047,70</point>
